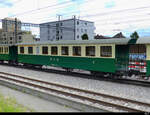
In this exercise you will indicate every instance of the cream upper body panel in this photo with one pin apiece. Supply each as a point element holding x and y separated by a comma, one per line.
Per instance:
<point>83,49</point>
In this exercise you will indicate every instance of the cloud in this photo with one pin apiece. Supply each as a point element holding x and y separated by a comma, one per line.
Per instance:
<point>6,3</point>
<point>110,16</point>
<point>110,4</point>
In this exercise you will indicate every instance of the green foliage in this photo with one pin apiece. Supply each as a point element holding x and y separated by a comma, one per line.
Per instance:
<point>134,35</point>
<point>85,37</point>
<point>8,104</point>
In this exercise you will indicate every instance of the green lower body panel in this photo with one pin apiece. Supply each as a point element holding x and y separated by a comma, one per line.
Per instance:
<point>91,64</point>
<point>4,57</point>
<point>148,68</point>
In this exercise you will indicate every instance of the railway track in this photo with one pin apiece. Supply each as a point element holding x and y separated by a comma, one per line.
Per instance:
<point>88,76</point>
<point>103,101</point>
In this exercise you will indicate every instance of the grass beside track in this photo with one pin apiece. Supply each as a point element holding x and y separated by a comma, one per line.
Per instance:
<point>8,104</point>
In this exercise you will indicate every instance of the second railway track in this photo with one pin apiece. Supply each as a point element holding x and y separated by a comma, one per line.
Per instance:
<point>102,101</point>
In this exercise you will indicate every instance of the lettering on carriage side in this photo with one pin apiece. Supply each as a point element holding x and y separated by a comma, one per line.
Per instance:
<point>51,59</point>
<point>57,60</point>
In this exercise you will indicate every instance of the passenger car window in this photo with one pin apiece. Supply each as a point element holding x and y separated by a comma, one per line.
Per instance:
<point>54,50</point>
<point>45,50</point>
<point>6,50</point>
<point>64,50</point>
<point>22,50</point>
<point>30,50</point>
<point>76,51</point>
<point>106,51</point>
<point>90,51</point>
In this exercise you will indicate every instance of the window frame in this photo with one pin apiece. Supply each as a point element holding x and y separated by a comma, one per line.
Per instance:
<point>5,50</point>
<point>43,52</point>
<point>76,47</point>
<point>62,51</point>
<point>22,51</point>
<point>86,51</point>
<point>29,50</point>
<point>106,56</point>
<point>56,50</point>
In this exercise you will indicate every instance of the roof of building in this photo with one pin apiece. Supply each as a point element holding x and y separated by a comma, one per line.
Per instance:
<point>119,35</point>
<point>66,20</point>
<point>12,19</point>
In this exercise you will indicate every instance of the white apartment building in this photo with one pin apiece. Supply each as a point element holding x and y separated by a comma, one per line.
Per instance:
<point>71,29</point>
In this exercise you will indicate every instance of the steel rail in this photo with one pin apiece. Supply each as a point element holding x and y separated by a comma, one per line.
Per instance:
<point>81,90</point>
<point>83,75</point>
<point>72,95</point>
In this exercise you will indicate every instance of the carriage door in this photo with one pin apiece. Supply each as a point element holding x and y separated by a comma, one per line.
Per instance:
<point>137,58</point>
<point>13,51</point>
<point>122,57</point>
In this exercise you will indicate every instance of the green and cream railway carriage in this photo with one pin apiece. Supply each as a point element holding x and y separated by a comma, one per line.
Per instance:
<point>117,56</point>
<point>93,55</point>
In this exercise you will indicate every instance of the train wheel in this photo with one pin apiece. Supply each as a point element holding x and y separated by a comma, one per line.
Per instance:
<point>93,73</point>
<point>69,70</point>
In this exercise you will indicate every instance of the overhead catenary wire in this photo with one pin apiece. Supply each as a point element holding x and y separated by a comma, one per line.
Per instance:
<point>108,13</point>
<point>99,14</point>
<point>42,8</point>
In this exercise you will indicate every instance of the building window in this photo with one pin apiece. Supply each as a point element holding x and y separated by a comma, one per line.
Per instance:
<point>57,24</point>
<point>78,36</point>
<point>106,51</point>
<point>85,30</point>
<point>61,37</point>
<point>30,50</point>
<point>54,50</point>
<point>76,51</point>
<point>57,38</point>
<point>45,50</point>
<point>61,24</point>
<point>85,23</point>
<point>65,50</point>
<point>10,38</point>
<point>90,51</point>
<point>77,22</point>
<point>19,37</point>
<point>22,50</point>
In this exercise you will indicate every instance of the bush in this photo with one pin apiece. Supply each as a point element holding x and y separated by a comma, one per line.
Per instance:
<point>8,104</point>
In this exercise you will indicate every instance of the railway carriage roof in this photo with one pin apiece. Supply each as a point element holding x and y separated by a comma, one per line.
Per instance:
<point>66,42</point>
<point>144,40</point>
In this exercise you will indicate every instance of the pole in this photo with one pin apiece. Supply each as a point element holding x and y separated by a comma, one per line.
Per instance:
<point>16,30</point>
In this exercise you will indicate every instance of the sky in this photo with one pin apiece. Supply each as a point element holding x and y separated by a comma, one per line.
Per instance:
<point>110,16</point>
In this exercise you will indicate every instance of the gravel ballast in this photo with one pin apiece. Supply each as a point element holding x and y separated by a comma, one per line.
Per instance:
<point>121,90</point>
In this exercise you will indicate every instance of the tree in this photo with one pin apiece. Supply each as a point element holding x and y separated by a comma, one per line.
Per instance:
<point>134,35</point>
<point>85,37</point>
